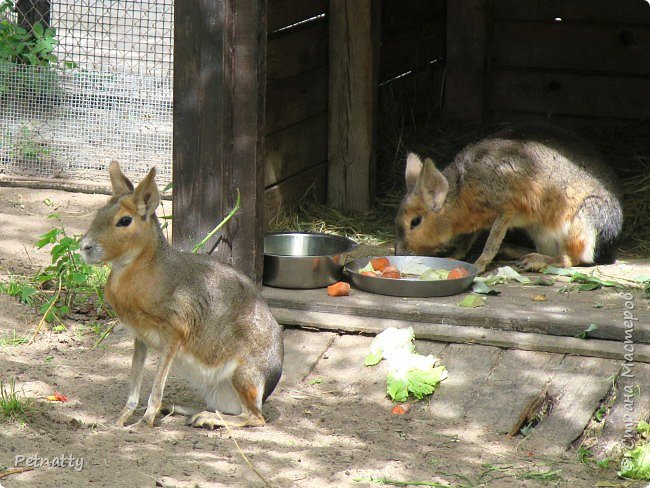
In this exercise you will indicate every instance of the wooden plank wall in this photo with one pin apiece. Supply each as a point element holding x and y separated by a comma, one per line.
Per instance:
<point>569,59</point>
<point>295,159</point>
<point>219,75</point>
<point>410,83</point>
<point>412,57</point>
<point>353,89</point>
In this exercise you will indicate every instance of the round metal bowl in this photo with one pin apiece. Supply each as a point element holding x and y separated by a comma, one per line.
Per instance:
<point>412,287</point>
<point>304,260</point>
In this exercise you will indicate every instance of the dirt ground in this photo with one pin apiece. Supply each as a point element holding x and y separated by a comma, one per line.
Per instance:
<point>329,422</point>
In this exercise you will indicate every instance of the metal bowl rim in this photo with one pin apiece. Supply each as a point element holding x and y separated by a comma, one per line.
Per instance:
<point>352,245</point>
<point>413,288</point>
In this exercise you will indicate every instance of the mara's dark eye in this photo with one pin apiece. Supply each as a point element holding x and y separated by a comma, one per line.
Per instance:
<point>124,222</point>
<point>416,221</point>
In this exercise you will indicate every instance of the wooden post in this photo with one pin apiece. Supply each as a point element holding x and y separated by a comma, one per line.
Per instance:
<point>219,87</point>
<point>466,60</point>
<point>354,61</point>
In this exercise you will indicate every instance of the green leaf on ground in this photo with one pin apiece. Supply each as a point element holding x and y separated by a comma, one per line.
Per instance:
<point>373,358</point>
<point>472,301</point>
<point>543,281</point>
<point>509,273</point>
<point>589,286</point>
<point>554,270</point>
<point>643,428</point>
<point>482,288</point>
<point>636,463</point>
<point>587,331</point>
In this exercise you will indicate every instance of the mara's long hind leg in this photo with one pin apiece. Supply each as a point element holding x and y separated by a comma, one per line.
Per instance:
<point>576,249</point>
<point>212,420</point>
<point>513,251</point>
<point>536,262</point>
<point>169,408</point>
<point>249,393</point>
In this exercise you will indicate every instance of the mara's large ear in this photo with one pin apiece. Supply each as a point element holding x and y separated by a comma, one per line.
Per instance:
<point>121,184</point>
<point>432,186</point>
<point>413,170</point>
<point>146,196</point>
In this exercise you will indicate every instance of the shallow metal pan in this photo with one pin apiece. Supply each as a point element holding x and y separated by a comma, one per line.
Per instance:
<point>411,287</point>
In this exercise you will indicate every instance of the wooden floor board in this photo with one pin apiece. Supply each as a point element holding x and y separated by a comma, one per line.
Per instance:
<point>343,372</point>
<point>578,387</point>
<point>302,350</point>
<point>469,367</point>
<point>519,378</point>
<point>626,412</point>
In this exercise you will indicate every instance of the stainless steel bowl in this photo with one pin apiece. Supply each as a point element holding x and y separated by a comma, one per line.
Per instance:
<point>304,260</point>
<point>412,287</point>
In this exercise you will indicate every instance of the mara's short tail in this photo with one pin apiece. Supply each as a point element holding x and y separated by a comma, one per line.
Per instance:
<point>606,215</point>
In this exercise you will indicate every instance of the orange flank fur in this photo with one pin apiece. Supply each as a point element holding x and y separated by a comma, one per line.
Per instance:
<point>250,400</point>
<point>575,248</point>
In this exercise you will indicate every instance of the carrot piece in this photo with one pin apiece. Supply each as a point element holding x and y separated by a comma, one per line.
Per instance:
<point>457,272</point>
<point>339,289</point>
<point>369,273</point>
<point>57,397</point>
<point>401,409</point>
<point>379,264</point>
<point>391,272</point>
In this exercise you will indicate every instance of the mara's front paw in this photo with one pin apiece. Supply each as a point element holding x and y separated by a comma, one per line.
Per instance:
<point>142,424</point>
<point>150,416</point>
<point>125,415</point>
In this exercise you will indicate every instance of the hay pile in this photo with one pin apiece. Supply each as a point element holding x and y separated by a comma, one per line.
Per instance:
<point>626,147</point>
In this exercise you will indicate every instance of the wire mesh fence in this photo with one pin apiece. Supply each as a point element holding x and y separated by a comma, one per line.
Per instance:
<point>83,83</point>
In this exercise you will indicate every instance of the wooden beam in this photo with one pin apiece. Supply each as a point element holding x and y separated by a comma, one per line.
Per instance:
<point>461,334</point>
<point>466,61</point>
<point>219,87</point>
<point>354,56</point>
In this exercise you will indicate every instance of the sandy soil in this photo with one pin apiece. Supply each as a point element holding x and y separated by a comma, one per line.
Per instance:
<point>329,421</point>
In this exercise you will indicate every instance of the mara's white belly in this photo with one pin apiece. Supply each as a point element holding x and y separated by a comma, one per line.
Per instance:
<point>214,383</point>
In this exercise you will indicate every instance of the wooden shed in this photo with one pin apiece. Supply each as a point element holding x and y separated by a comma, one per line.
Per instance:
<point>279,98</point>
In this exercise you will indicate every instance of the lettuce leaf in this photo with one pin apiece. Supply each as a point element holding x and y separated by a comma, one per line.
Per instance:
<point>636,463</point>
<point>416,382</point>
<point>367,267</point>
<point>390,342</point>
<point>373,358</point>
